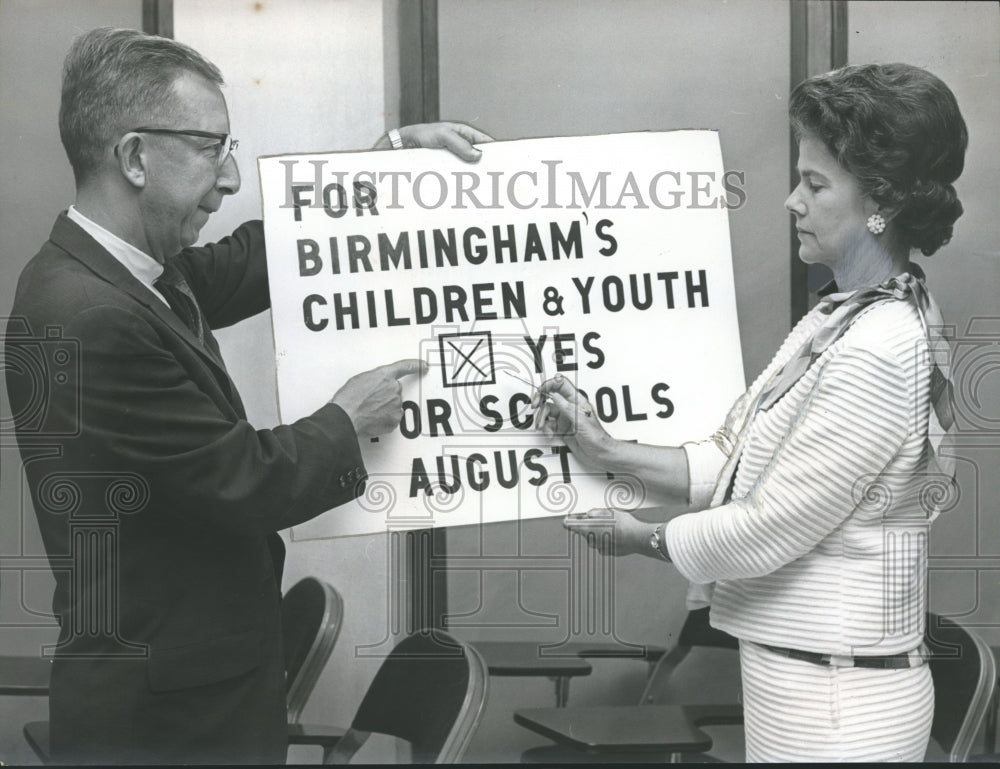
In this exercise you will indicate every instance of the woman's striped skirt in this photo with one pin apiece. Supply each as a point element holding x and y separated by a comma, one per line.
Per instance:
<point>801,711</point>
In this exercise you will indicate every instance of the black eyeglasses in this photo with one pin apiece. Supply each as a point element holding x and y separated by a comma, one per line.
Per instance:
<point>227,144</point>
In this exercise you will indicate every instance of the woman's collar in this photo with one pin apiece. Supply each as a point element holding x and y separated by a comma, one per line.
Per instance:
<point>829,292</point>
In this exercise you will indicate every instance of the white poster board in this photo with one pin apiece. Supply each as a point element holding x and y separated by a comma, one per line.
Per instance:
<point>602,258</point>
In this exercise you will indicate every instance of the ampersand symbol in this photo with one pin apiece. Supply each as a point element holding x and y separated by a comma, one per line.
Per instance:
<point>552,304</point>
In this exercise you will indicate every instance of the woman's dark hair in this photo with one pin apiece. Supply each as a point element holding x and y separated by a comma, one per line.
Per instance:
<point>898,130</point>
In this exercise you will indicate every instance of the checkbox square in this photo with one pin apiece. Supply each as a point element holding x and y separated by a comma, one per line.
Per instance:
<point>467,359</point>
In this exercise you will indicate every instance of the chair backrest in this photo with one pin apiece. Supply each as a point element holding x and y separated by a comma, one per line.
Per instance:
<point>964,673</point>
<point>311,614</point>
<point>429,691</point>
<point>711,670</point>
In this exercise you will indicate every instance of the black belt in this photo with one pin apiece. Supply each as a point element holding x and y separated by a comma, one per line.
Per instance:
<point>909,659</point>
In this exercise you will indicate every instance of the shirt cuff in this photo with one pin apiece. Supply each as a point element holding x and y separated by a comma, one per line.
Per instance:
<point>705,461</point>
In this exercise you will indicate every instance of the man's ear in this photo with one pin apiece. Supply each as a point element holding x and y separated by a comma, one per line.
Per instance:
<point>131,155</point>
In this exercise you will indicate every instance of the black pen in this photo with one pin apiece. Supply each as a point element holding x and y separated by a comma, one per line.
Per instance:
<point>540,410</point>
<point>530,384</point>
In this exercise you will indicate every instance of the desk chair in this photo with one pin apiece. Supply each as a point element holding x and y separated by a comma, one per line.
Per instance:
<point>965,678</point>
<point>429,691</point>
<point>709,679</point>
<point>24,676</point>
<point>523,658</point>
<point>28,676</point>
<point>311,614</point>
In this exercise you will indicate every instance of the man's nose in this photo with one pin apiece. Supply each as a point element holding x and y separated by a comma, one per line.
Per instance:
<point>229,177</point>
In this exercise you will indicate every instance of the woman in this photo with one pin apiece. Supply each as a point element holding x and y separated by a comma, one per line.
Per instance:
<point>813,493</point>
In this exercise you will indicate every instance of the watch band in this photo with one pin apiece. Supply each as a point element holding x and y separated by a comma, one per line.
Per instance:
<point>657,543</point>
<point>395,139</point>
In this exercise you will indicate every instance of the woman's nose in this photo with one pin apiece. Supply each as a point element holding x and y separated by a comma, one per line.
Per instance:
<point>793,203</point>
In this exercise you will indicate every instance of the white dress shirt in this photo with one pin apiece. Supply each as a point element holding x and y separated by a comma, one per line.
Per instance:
<point>143,267</point>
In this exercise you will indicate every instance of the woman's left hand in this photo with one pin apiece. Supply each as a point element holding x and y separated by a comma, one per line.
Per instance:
<point>564,412</point>
<point>611,532</point>
<point>457,138</point>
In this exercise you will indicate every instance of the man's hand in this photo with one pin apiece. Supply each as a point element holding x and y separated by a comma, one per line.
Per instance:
<point>373,399</point>
<point>457,138</point>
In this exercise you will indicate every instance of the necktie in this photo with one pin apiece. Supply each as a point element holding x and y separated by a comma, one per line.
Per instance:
<point>178,293</point>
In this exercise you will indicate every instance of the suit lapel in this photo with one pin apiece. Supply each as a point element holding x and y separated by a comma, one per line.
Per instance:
<point>75,241</point>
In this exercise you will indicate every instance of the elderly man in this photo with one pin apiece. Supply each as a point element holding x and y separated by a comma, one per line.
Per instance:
<point>189,668</point>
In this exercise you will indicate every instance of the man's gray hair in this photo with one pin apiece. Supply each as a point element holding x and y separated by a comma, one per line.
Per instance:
<point>115,80</point>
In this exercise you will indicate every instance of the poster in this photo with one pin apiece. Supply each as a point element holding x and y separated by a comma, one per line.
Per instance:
<point>604,259</point>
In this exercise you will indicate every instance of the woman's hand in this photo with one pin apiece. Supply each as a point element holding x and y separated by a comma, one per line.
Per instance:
<point>563,411</point>
<point>457,138</point>
<point>612,532</point>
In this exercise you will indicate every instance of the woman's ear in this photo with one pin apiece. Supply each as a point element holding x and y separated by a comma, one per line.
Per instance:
<point>131,154</point>
<point>888,212</point>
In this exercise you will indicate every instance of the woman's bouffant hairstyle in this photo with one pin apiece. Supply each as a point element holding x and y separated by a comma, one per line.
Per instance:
<point>898,130</point>
<point>115,80</point>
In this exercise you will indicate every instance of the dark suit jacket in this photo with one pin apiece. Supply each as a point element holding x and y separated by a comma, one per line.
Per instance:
<point>160,512</point>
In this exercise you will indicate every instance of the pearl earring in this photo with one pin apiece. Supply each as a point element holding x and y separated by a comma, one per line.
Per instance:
<point>876,224</point>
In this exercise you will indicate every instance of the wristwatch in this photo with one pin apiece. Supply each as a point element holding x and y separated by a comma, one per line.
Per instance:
<point>395,139</point>
<point>656,542</point>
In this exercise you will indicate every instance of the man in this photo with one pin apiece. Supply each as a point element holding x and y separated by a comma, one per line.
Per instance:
<point>168,596</point>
